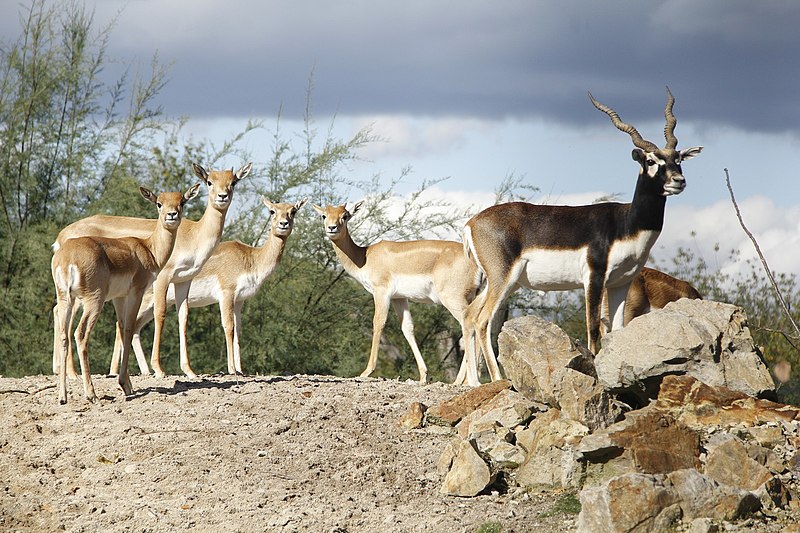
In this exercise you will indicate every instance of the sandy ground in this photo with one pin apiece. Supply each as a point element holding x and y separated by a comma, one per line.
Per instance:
<point>300,453</point>
<point>297,453</point>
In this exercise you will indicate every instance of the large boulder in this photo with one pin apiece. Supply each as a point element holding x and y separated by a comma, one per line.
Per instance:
<point>704,339</point>
<point>546,365</point>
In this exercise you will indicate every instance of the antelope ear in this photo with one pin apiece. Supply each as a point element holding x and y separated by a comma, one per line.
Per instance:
<point>690,152</point>
<point>638,155</point>
<point>301,203</point>
<point>200,172</point>
<point>147,194</point>
<point>318,209</point>
<point>356,207</point>
<point>244,171</point>
<point>193,191</point>
<point>267,203</point>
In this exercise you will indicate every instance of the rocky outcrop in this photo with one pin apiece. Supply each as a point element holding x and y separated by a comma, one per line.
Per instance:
<point>699,450</point>
<point>700,338</point>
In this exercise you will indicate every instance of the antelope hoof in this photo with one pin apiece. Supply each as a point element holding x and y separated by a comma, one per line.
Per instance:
<point>366,373</point>
<point>160,374</point>
<point>127,388</point>
<point>189,373</point>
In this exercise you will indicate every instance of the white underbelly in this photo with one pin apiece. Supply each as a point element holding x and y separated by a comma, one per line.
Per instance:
<point>203,291</point>
<point>553,270</point>
<point>416,288</point>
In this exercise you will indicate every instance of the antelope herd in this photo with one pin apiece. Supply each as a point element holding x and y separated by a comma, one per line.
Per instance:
<point>144,265</point>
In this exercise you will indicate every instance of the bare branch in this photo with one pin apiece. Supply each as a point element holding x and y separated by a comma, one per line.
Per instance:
<point>760,256</point>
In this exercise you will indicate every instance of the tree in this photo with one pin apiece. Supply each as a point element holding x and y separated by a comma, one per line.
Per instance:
<point>71,145</point>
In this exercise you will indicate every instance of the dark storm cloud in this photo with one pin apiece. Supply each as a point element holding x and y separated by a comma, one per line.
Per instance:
<point>733,62</point>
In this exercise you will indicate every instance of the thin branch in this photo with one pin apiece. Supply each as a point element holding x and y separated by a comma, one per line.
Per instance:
<point>760,255</point>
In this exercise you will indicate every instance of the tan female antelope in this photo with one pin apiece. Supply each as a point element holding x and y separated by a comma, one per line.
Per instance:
<point>232,275</point>
<point>427,271</point>
<point>594,247</point>
<point>93,270</point>
<point>195,244</point>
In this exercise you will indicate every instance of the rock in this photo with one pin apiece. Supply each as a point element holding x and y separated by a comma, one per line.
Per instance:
<point>698,406</point>
<point>551,462</point>
<point>767,436</point>
<point>447,456</point>
<point>413,417</point>
<point>468,474</point>
<point>486,434</point>
<point>729,463</point>
<point>650,502</point>
<point>545,365</point>
<point>505,455</point>
<point>527,437</point>
<point>534,352</point>
<point>703,525</point>
<point>773,494</point>
<point>704,339</point>
<point>655,442</point>
<point>508,408</point>
<point>701,496</point>
<point>450,412</point>
<point>628,503</point>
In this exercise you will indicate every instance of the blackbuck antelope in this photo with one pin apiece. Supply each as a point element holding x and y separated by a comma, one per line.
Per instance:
<point>93,270</point>
<point>596,247</point>
<point>233,274</point>
<point>195,244</point>
<point>427,271</point>
<point>652,289</point>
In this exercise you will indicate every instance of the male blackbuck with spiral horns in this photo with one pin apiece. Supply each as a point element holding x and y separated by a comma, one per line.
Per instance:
<point>595,247</point>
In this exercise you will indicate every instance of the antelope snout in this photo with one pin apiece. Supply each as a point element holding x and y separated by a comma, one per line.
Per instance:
<point>675,185</point>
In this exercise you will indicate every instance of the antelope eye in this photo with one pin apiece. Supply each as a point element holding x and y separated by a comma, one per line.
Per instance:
<point>323,217</point>
<point>650,162</point>
<point>159,205</point>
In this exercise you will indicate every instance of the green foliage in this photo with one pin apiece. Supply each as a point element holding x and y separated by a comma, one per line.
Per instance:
<point>490,527</point>
<point>567,504</point>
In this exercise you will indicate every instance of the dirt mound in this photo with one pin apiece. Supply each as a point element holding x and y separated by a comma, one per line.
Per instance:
<point>299,453</point>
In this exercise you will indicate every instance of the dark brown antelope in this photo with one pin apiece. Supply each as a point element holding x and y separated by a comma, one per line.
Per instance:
<point>596,247</point>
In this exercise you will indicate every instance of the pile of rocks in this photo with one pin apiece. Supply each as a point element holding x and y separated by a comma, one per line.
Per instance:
<point>672,421</point>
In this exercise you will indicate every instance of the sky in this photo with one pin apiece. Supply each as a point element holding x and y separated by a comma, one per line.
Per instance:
<point>474,91</point>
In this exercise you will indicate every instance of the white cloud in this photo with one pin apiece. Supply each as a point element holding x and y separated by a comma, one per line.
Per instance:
<point>774,227</point>
<point>414,137</point>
